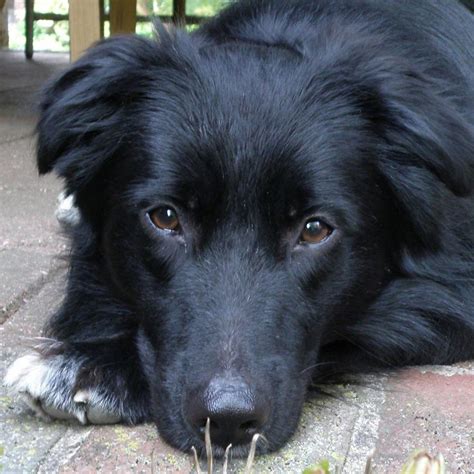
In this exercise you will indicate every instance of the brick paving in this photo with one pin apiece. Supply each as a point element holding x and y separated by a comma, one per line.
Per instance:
<point>424,407</point>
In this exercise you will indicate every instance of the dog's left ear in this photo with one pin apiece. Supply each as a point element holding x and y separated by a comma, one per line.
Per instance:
<point>428,151</point>
<point>83,113</point>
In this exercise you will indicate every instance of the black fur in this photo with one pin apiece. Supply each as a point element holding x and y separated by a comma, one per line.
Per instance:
<point>357,112</point>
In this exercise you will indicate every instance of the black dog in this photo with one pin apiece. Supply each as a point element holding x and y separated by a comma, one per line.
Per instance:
<point>285,194</point>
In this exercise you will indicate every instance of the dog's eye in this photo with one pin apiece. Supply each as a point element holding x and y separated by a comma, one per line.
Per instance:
<point>165,218</point>
<point>315,231</point>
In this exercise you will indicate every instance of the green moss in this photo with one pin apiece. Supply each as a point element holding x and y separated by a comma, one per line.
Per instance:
<point>321,468</point>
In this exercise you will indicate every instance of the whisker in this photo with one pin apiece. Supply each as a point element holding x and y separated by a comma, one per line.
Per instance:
<point>368,464</point>
<point>226,458</point>
<point>196,460</point>
<point>251,456</point>
<point>319,364</point>
<point>207,439</point>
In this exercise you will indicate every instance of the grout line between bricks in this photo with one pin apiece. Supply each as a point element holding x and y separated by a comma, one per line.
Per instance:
<point>32,244</point>
<point>31,291</point>
<point>63,450</point>
<point>30,135</point>
<point>33,86</point>
<point>348,450</point>
<point>365,431</point>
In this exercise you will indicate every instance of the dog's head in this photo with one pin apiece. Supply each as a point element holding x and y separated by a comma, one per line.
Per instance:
<point>247,205</point>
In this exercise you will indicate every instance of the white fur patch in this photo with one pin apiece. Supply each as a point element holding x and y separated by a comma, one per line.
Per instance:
<point>45,385</point>
<point>67,212</point>
<point>28,374</point>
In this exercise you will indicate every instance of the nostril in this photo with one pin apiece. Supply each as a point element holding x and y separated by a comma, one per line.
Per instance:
<point>201,425</point>
<point>251,426</point>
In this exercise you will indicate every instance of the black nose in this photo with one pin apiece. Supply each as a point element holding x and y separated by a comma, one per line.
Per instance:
<point>235,410</point>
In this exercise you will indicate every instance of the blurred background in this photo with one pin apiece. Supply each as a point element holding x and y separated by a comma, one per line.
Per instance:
<point>50,28</point>
<point>52,34</point>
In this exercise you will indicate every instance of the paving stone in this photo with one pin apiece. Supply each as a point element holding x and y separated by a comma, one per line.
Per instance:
<point>27,322</point>
<point>426,409</point>
<point>126,449</point>
<point>20,82</point>
<point>19,167</point>
<point>29,232</point>
<point>15,126</point>
<point>27,201</point>
<point>24,439</point>
<point>19,73</point>
<point>28,216</point>
<point>22,273</point>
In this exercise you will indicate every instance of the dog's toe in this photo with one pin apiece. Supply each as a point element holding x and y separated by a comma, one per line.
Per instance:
<point>96,413</point>
<point>27,375</point>
<point>58,414</point>
<point>34,405</point>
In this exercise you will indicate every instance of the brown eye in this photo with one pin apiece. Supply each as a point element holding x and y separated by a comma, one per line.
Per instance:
<point>315,231</point>
<point>165,218</point>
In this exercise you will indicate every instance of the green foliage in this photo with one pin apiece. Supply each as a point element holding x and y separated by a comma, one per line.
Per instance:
<point>54,36</point>
<point>321,468</point>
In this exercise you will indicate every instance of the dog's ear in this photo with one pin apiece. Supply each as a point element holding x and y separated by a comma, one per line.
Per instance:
<point>427,156</point>
<point>83,113</point>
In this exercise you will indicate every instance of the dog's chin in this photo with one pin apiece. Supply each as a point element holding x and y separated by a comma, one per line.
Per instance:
<point>240,451</point>
<point>263,446</point>
<point>178,435</point>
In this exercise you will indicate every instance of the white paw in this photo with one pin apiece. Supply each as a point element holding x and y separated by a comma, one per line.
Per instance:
<point>67,213</point>
<point>45,385</point>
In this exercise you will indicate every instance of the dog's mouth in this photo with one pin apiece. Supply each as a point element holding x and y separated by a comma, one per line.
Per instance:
<point>213,452</point>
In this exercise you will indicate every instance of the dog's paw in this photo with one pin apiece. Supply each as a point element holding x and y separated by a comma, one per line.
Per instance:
<point>67,213</point>
<point>46,386</point>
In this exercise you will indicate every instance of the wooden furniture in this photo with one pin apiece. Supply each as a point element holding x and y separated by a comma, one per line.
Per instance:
<point>86,21</point>
<point>3,24</point>
<point>85,26</point>
<point>123,16</point>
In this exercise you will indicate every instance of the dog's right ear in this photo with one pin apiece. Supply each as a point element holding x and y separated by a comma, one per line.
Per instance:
<point>82,116</point>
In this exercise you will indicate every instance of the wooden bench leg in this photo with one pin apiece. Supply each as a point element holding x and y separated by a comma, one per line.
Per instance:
<point>123,16</point>
<point>29,21</point>
<point>179,12</point>
<point>3,24</point>
<point>84,25</point>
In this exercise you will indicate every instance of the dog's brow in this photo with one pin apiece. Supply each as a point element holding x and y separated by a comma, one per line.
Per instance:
<point>238,42</point>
